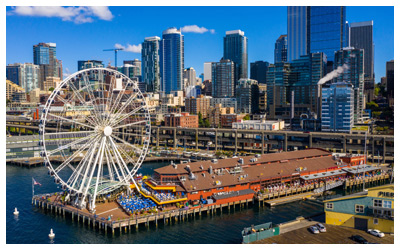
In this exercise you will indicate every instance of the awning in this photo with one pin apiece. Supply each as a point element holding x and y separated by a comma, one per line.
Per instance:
<point>322,175</point>
<point>361,169</point>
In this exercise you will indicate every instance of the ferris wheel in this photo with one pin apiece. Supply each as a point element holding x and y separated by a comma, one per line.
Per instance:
<point>95,133</point>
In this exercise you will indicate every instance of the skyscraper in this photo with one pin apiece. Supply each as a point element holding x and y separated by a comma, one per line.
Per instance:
<point>189,75</point>
<point>235,49</point>
<point>223,82</point>
<point>361,37</point>
<point>172,60</point>
<point>207,71</point>
<point>26,75</point>
<point>247,96</point>
<point>258,71</point>
<point>281,49</point>
<point>44,55</point>
<point>337,114</point>
<point>87,64</point>
<point>352,62</point>
<point>316,29</point>
<point>298,34</point>
<point>390,81</point>
<point>151,63</point>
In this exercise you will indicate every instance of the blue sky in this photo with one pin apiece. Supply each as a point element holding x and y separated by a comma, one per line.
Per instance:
<point>83,33</point>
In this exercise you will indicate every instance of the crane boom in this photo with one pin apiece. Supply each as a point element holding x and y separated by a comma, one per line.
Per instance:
<point>115,51</point>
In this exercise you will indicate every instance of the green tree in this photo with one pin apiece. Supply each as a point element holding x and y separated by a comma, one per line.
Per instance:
<point>377,90</point>
<point>201,122</point>
<point>207,123</point>
<point>373,106</point>
<point>247,117</point>
<point>51,89</point>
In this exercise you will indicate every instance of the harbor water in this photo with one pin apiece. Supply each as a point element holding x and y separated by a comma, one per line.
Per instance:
<point>33,225</point>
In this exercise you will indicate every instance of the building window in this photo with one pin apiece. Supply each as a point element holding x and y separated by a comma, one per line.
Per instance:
<point>359,208</point>
<point>376,221</point>
<point>377,203</point>
<point>329,206</point>
<point>387,204</point>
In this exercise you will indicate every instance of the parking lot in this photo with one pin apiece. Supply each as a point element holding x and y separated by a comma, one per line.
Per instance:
<point>334,235</point>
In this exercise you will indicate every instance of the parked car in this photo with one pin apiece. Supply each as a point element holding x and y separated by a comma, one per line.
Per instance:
<point>314,230</point>
<point>376,232</point>
<point>321,228</point>
<point>359,239</point>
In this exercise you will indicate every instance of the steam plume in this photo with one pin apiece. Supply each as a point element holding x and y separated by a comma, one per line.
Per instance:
<point>333,74</point>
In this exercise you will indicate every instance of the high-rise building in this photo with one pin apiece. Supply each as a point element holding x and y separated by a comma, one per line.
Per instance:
<point>11,88</point>
<point>200,104</point>
<point>88,64</point>
<point>151,63</point>
<point>316,29</point>
<point>137,63</point>
<point>337,109</point>
<point>352,62</point>
<point>26,75</point>
<point>247,95</point>
<point>235,49</point>
<point>190,75</point>
<point>44,55</point>
<point>300,76</point>
<point>361,37</point>
<point>51,82</point>
<point>390,80</point>
<point>207,71</point>
<point>223,81</point>
<point>258,71</point>
<point>172,60</point>
<point>281,49</point>
<point>133,72</point>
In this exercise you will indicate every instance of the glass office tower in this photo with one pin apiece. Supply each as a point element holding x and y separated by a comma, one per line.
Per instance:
<point>280,52</point>
<point>26,75</point>
<point>298,39</point>
<point>151,63</point>
<point>172,60</point>
<point>258,71</point>
<point>223,84</point>
<point>235,49</point>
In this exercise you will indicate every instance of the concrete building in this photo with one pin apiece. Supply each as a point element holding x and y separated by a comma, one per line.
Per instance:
<point>25,75</point>
<point>215,113</point>
<point>175,98</point>
<point>50,82</point>
<point>259,125</point>
<point>337,107</point>
<point>225,102</point>
<point>370,209</point>
<point>183,120</point>
<point>207,71</point>
<point>151,63</point>
<point>197,105</point>
<point>223,80</point>
<point>247,96</point>
<point>207,90</point>
<point>190,75</point>
<point>228,119</point>
<point>11,88</point>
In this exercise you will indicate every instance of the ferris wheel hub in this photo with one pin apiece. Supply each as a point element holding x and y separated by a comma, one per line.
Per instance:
<point>107,131</point>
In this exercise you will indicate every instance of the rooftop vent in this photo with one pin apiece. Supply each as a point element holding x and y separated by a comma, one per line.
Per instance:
<point>241,161</point>
<point>258,155</point>
<point>214,161</point>
<point>201,167</point>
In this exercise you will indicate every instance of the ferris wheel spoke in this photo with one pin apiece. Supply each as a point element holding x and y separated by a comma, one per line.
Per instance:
<point>73,156</point>
<point>92,97</point>
<point>110,171</point>
<point>69,120</point>
<point>76,93</point>
<point>130,124</point>
<point>127,157</point>
<point>123,163</point>
<point>88,166</point>
<point>117,120</point>
<point>99,170</point>
<point>126,104</point>
<point>136,149</point>
<point>126,133</point>
<point>70,144</point>
<point>120,163</point>
<point>112,162</point>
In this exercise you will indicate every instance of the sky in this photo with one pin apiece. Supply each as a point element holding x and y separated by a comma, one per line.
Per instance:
<point>81,33</point>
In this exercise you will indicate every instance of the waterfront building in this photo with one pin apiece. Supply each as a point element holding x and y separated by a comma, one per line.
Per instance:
<point>228,119</point>
<point>352,62</point>
<point>369,209</point>
<point>88,64</point>
<point>280,52</point>
<point>183,120</point>
<point>151,63</point>
<point>390,82</point>
<point>247,96</point>
<point>259,125</point>
<point>215,113</point>
<point>337,107</point>
<point>18,97</point>
<point>361,37</point>
<point>207,71</point>
<point>172,60</point>
<point>45,55</point>
<point>11,88</point>
<point>298,78</point>
<point>190,75</point>
<point>201,104</point>
<point>316,29</point>
<point>225,102</point>
<point>25,75</point>
<point>258,71</point>
<point>236,50</point>
<point>223,80</point>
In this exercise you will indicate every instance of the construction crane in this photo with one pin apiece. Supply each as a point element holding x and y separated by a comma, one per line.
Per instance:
<point>115,51</point>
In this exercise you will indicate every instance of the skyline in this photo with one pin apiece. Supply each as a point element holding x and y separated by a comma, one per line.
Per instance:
<point>203,30</point>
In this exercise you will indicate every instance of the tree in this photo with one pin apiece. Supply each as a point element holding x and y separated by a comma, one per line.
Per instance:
<point>8,102</point>
<point>201,122</point>
<point>372,106</point>
<point>247,117</point>
<point>377,90</point>
<point>207,123</point>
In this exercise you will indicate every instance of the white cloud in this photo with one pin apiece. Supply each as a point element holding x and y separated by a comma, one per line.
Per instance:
<point>74,14</point>
<point>129,48</point>
<point>196,29</point>
<point>66,72</point>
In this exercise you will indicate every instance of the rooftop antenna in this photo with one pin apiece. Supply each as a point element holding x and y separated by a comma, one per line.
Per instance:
<point>115,51</point>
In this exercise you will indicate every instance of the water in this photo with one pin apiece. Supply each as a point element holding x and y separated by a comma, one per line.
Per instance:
<point>33,224</point>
